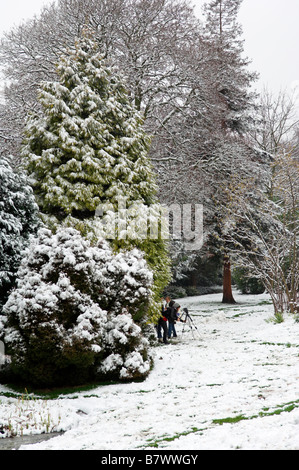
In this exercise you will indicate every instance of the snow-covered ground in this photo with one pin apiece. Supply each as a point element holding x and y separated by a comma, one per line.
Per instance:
<point>235,365</point>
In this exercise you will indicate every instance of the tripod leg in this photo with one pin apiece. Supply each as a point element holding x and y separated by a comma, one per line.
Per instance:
<point>191,323</point>
<point>183,326</point>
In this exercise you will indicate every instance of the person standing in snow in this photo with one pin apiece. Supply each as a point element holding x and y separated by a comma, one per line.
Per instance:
<point>162,323</point>
<point>172,316</point>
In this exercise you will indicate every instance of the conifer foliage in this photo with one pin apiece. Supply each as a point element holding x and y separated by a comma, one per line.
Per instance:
<point>88,146</point>
<point>18,219</point>
<point>70,319</point>
<point>76,314</point>
<point>231,75</point>
<point>87,149</point>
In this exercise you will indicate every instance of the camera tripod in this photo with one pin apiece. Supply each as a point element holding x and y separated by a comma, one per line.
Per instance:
<point>187,320</point>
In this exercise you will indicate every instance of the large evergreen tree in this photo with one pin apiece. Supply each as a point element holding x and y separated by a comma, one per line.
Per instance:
<point>232,79</point>
<point>88,149</point>
<point>229,154</point>
<point>89,145</point>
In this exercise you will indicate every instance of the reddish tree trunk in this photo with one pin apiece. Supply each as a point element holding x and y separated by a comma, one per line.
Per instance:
<point>227,282</point>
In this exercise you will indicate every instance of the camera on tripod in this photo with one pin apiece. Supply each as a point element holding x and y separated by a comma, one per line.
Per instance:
<point>183,315</point>
<point>186,318</point>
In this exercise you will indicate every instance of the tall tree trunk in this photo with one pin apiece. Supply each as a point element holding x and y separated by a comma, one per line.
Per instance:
<point>227,282</point>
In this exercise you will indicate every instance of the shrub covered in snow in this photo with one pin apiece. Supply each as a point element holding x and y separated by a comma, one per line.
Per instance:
<point>18,219</point>
<point>126,350</point>
<point>70,319</point>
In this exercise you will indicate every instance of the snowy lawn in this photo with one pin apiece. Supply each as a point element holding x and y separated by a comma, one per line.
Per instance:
<point>231,385</point>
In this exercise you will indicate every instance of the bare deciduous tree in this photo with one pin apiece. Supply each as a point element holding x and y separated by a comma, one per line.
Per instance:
<point>276,120</point>
<point>264,233</point>
<point>149,41</point>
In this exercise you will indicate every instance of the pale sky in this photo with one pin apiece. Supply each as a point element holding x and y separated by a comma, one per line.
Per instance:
<point>271,34</point>
<point>270,30</point>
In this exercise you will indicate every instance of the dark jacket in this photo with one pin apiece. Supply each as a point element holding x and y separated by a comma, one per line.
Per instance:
<point>171,314</point>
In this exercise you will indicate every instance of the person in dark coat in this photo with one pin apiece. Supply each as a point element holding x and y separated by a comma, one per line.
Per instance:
<point>172,315</point>
<point>162,324</point>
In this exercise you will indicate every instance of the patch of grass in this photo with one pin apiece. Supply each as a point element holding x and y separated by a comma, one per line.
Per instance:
<point>237,315</point>
<point>156,442</point>
<point>287,345</point>
<point>277,318</point>
<point>27,413</point>
<point>286,408</point>
<point>52,394</point>
<point>265,302</point>
<point>233,420</point>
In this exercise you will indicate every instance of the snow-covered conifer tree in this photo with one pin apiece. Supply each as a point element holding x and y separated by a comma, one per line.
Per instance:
<point>88,149</point>
<point>227,152</point>
<point>18,219</point>
<point>89,145</point>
